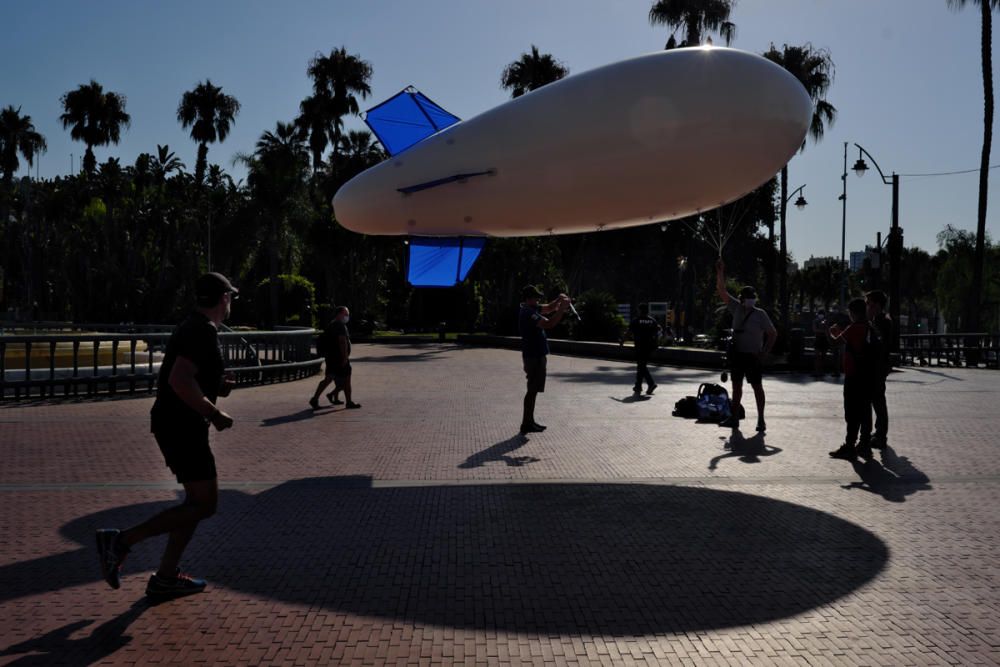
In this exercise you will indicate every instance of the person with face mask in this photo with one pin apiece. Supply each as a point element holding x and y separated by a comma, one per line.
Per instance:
<point>337,350</point>
<point>753,338</point>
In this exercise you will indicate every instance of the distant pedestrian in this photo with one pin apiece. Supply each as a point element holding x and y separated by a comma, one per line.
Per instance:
<point>191,379</point>
<point>533,320</point>
<point>336,348</point>
<point>862,352</point>
<point>821,343</point>
<point>753,338</point>
<point>645,332</point>
<point>877,301</point>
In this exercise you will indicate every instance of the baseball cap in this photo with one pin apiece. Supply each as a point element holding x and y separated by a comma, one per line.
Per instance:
<point>211,286</point>
<point>531,291</point>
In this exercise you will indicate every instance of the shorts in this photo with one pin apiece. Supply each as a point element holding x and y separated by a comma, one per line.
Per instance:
<point>743,364</point>
<point>336,371</point>
<point>534,371</point>
<point>187,454</point>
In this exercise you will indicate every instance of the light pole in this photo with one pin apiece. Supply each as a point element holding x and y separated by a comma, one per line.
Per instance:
<point>895,239</point>
<point>800,204</point>
<point>843,234</point>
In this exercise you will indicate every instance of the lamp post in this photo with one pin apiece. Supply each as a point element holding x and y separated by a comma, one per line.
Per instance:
<point>895,238</point>
<point>843,233</point>
<point>800,204</point>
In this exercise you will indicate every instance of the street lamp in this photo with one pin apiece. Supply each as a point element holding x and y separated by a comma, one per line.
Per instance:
<point>895,241</point>
<point>800,204</point>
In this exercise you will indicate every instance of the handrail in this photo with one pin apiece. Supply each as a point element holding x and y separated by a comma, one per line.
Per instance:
<point>92,363</point>
<point>971,350</point>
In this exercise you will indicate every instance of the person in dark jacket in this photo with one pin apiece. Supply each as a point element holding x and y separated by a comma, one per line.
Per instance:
<point>876,302</point>
<point>646,334</point>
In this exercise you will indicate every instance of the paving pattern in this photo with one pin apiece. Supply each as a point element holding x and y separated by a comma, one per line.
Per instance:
<point>422,529</point>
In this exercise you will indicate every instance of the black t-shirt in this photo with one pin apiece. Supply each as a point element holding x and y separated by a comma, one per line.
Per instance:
<point>333,332</point>
<point>883,326</point>
<point>534,342</point>
<point>197,340</point>
<point>646,332</point>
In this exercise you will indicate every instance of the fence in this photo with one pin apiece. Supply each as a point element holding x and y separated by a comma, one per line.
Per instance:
<point>960,349</point>
<point>65,365</point>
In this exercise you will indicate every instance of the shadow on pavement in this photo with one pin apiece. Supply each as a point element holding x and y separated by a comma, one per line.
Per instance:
<point>632,398</point>
<point>893,479</point>
<point>301,415</point>
<point>57,647</point>
<point>620,559</point>
<point>622,375</point>
<point>499,452</point>
<point>748,450</point>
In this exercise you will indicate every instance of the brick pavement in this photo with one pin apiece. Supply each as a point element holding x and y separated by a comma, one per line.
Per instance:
<point>422,530</point>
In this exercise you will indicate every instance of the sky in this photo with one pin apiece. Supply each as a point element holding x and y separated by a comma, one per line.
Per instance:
<point>907,86</point>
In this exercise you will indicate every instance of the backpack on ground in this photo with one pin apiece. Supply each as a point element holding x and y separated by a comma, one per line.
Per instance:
<point>687,407</point>
<point>713,403</point>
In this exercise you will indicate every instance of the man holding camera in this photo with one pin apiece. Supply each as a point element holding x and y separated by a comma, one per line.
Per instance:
<point>191,379</point>
<point>753,338</point>
<point>533,320</point>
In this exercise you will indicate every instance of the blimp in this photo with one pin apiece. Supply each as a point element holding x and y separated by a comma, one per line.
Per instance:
<point>644,140</point>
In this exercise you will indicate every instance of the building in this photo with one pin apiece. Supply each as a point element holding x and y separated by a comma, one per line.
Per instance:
<point>815,262</point>
<point>858,258</point>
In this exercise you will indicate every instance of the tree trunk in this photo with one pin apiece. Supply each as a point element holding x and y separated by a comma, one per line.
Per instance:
<point>769,267</point>
<point>976,296</point>
<point>272,270</point>
<point>89,161</point>
<point>202,164</point>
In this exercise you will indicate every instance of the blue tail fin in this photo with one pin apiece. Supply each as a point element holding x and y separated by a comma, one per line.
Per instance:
<point>442,262</point>
<point>406,118</point>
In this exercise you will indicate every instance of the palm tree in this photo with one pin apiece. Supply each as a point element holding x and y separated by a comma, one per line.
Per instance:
<point>530,72</point>
<point>695,17</point>
<point>165,163</point>
<point>94,117</point>
<point>210,113</point>
<point>814,69</point>
<point>338,80</point>
<point>17,136</point>
<point>277,169</point>
<point>319,124</point>
<point>986,8</point>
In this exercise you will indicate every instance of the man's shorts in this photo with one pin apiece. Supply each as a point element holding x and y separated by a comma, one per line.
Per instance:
<point>187,454</point>
<point>534,371</point>
<point>746,365</point>
<point>336,371</point>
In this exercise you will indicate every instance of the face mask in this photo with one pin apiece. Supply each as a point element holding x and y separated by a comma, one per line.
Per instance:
<point>749,303</point>
<point>347,318</point>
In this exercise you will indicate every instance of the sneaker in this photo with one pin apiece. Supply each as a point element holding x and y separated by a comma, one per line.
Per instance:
<point>353,406</point>
<point>165,588</point>
<point>538,426</point>
<point>879,441</point>
<point>112,555</point>
<point>730,422</point>
<point>845,452</point>
<point>651,389</point>
<point>637,389</point>
<point>314,403</point>
<point>334,401</point>
<point>531,428</point>
<point>761,426</point>
<point>865,452</point>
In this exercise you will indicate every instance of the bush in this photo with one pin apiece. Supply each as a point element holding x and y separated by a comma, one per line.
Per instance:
<point>296,297</point>
<point>599,318</point>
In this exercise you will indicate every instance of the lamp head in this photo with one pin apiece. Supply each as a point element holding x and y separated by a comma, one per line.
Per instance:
<point>801,202</point>
<point>860,167</point>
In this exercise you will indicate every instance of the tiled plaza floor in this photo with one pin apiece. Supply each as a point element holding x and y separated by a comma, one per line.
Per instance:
<point>422,529</point>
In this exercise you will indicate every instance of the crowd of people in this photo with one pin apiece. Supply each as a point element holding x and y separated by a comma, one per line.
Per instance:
<point>193,378</point>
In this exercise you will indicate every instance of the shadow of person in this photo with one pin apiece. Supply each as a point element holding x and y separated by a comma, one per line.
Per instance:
<point>301,415</point>
<point>748,450</point>
<point>631,398</point>
<point>57,646</point>
<point>569,558</point>
<point>893,479</point>
<point>500,452</point>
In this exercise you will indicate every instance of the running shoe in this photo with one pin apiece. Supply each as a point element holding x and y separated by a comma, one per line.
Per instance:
<point>112,555</point>
<point>165,588</point>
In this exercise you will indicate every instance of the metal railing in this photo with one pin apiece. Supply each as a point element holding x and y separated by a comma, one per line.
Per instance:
<point>971,350</point>
<point>70,365</point>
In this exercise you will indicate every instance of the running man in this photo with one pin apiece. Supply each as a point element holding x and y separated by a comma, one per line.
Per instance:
<point>191,379</point>
<point>337,349</point>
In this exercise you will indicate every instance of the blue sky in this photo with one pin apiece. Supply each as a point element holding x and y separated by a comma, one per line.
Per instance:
<point>908,83</point>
